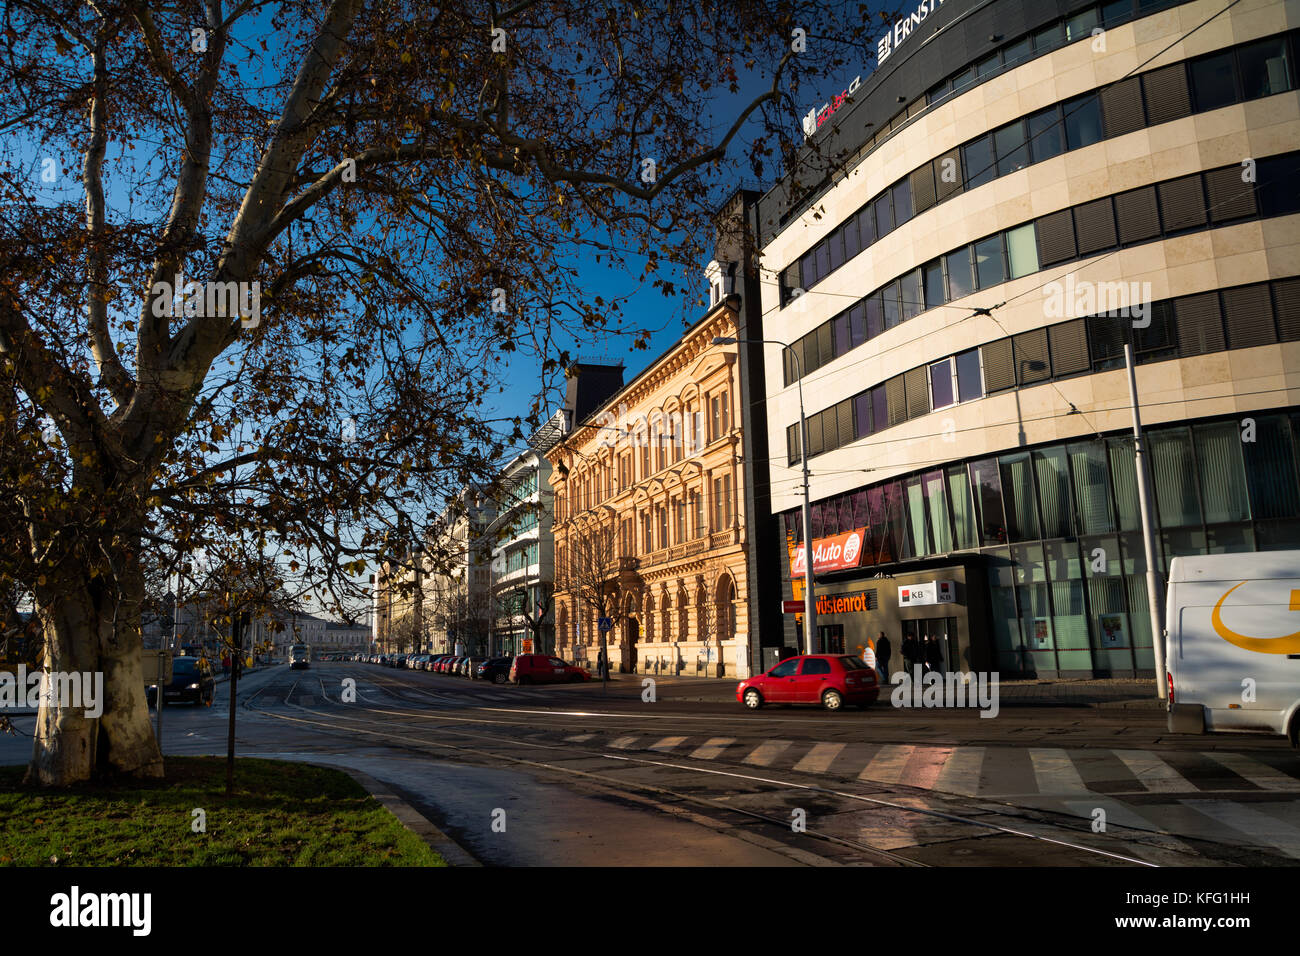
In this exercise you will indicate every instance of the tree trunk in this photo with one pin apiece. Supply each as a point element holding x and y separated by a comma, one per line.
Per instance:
<point>91,625</point>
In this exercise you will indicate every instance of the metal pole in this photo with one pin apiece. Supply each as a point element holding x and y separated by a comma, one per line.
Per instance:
<point>1148,532</point>
<point>809,604</point>
<point>238,652</point>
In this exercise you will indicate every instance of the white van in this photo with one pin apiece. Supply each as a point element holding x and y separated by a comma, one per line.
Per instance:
<point>1233,644</point>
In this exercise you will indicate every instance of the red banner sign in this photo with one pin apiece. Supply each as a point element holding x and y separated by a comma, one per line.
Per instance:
<point>837,553</point>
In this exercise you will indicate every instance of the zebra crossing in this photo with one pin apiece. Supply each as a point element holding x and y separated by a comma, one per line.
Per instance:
<point>1165,798</point>
<point>989,771</point>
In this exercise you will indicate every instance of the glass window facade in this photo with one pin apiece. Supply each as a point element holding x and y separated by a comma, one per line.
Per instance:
<point>1056,527</point>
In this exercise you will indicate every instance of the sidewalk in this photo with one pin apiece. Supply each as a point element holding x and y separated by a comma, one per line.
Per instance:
<point>1120,692</point>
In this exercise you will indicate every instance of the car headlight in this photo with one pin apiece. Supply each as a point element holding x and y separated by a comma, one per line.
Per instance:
<point>192,687</point>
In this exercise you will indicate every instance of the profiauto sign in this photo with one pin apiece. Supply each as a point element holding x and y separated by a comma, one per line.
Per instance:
<point>903,29</point>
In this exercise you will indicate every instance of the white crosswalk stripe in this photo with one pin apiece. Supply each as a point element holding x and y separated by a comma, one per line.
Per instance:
<point>1153,773</point>
<point>1256,827</point>
<point>887,765</point>
<point>961,772</point>
<point>712,747</point>
<point>819,758</point>
<point>1260,774</point>
<point>1054,772</point>
<point>622,743</point>
<point>766,752</point>
<point>579,738</point>
<point>668,743</point>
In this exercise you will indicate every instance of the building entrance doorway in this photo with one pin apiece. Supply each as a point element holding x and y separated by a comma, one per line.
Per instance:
<point>940,629</point>
<point>629,651</point>
<point>830,638</point>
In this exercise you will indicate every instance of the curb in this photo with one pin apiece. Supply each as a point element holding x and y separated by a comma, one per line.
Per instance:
<point>412,819</point>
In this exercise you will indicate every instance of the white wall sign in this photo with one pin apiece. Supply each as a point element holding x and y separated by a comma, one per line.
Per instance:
<point>927,593</point>
<point>903,29</point>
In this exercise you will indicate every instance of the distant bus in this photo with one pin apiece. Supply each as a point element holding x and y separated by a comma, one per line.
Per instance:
<point>299,656</point>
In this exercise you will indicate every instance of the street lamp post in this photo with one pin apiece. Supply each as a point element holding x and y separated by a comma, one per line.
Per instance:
<point>809,605</point>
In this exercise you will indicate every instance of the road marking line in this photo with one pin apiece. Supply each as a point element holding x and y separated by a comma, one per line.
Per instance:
<point>1259,828</point>
<point>961,771</point>
<point>1153,773</point>
<point>887,766</point>
<point>1260,774</point>
<point>579,738</point>
<point>1054,772</point>
<point>712,748</point>
<point>766,752</point>
<point>819,758</point>
<point>668,743</point>
<point>622,743</point>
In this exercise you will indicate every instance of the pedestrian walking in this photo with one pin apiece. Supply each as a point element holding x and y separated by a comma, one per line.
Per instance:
<point>911,655</point>
<point>934,655</point>
<point>225,665</point>
<point>883,651</point>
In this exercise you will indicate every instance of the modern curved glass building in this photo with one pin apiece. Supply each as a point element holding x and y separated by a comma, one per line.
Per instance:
<point>958,259</point>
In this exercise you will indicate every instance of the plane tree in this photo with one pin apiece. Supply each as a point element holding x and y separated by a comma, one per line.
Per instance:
<point>260,263</point>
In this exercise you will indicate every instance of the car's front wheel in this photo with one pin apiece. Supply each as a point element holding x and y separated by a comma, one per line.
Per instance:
<point>832,700</point>
<point>500,679</point>
<point>753,699</point>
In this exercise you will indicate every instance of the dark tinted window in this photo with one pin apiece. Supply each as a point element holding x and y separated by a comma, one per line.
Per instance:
<point>1046,138</point>
<point>988,261</point>
<point>185,667</point>
<point>1018,51</point>
<point>785,668</point>
<point>1012,151</point>
<point>987,66</point>
<point>866,227</point>
<point>890,300</point>
<point>854,664</point>
<point>968,376</point>
<point>1212,82</point>
<point>911,293</point>
<point>1116,12</point>
<point>903,201</point>
<point>960,282</point>
<point>852,246</point>
<point>816,665</point>
<point>1083,121</point>
<point>862,415</point>
<point>884,215</point>
<point>977,160</point>
<point>857,325</point>
<point>939,92</point>
<point>1047,38</point>
<point>875,317</point>
<point>1080,25</point>
<point>933,284</point>
<point>1264,68</point>
<point>941,384</point>
<point>1277,178</point>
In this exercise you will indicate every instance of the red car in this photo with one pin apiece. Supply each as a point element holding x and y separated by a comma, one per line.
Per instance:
<point>544,669</point>
<point>831,680</point>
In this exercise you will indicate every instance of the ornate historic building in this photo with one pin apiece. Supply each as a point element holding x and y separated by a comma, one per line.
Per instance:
<point>648,515</point>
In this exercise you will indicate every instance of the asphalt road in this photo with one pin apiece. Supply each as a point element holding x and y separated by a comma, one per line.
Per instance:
<point>570,775</point>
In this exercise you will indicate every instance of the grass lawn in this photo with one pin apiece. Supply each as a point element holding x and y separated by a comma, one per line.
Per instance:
<point>282,814</point>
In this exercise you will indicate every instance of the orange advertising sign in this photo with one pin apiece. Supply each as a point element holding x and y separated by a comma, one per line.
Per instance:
<point>836,553</point>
